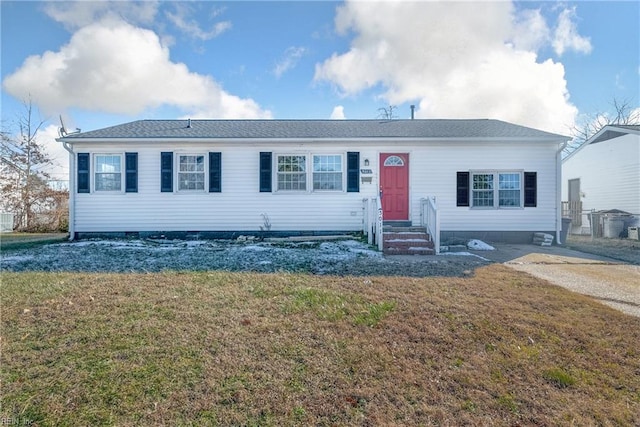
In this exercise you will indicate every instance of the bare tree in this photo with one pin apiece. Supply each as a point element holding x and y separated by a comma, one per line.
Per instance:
<point>623,114</point>
<point>23,181</point>
<point>387,113</point>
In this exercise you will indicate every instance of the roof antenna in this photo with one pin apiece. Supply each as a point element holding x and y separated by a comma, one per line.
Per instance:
<point>189,123</point>
<point>63,130</point>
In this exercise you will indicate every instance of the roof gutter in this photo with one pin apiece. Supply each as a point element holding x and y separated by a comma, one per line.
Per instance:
<point>306,140</point>
<point>559,191</point>
<point>72,186</point>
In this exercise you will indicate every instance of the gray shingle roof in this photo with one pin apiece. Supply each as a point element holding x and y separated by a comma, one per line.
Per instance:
<point>319,129</point>
<point>612,131</point>
<point>629,127</point>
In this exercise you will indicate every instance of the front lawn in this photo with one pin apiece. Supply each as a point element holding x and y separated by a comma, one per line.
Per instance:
<point>29,240</point>
<point>220,348</point>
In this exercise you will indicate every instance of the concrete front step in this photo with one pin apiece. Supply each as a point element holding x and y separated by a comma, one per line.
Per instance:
<point>406,235</point>
<point>407,241</point>
<point>391,229</point>
<point>409,251</point>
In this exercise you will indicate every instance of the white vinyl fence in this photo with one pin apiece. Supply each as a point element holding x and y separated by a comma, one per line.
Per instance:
<point>6,222</point>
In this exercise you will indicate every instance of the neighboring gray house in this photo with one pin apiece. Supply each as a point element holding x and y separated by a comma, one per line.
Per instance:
<point>603,174</point>
<point>490,179</point>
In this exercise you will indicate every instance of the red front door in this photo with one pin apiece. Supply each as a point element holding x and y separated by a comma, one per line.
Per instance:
<point>394,186</point>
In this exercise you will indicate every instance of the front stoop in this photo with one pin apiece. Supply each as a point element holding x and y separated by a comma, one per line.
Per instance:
<point>407,241</point>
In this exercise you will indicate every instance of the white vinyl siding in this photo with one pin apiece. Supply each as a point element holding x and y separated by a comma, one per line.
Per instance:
<point>434,169</point>
<point>108,172</point>
<point>239,208</point>
<point>609,173</point>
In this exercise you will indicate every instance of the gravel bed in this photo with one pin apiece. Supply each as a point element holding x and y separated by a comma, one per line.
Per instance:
<point>343,257</point>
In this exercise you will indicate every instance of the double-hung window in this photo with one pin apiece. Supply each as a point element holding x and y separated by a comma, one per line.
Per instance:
<point>509,190</point>
<point>482,190</point>
<point>191,172</point>
<point>496,189</point>
<point>310,172</point>
<point>292,172</point>
<point>108,172</point>
<point>327,172</point>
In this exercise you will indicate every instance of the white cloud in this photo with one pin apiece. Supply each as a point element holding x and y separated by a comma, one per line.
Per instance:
<point>338,113</point>
<point>77,14</point>
<point>566,35</point>
<point>114,67</point>
<point>59,168</point>
<point>530,30</point>
<point>457,59</point>
<point>291,57</point>
<point>191,27</point>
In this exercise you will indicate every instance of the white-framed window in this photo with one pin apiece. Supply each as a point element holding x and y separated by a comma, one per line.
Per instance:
<point>394,161</point>
<point>291,171</point>
<point>191,172</point>
<point>482,190</point>
<point>327,172</point>
<point>310,172</point>
<point>510,190</point>
<point>108,172</point>
<point>496,189</point>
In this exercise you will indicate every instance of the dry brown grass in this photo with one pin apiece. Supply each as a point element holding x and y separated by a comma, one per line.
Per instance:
<point>626,250</point>
<point>499,348</point>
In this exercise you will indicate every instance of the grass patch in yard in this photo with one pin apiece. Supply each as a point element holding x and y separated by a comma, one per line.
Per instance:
<point>333,306</point>
<point>216,348</point>
<point>15,241</point>
<point>559,377</point>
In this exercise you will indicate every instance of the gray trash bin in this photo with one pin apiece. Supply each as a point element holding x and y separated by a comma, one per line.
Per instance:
<point>613,227</point>
<point>566,225</point>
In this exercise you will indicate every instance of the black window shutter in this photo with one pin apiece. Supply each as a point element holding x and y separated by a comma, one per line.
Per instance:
<point>215,172</point>
<point>353,172</point>
<point>166,172</point>
<point>462,189</point>
<point>530,189</point>
<point>131,172</point>
<point>83,173</point>
<point>265,172</point>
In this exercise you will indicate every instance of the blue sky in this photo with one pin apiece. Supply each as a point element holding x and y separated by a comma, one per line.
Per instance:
<point>547,65</point>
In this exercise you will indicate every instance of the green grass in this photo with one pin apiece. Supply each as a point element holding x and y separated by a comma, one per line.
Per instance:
<point>217,348</point>
<point>559,377</point>
<point>333,306</point>
<point>12,241</point>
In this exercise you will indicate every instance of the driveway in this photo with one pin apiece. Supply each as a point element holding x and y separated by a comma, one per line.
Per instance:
<point>610,281</point>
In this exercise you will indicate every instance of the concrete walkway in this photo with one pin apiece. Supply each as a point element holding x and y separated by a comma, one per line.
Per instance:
<point>607,280</point>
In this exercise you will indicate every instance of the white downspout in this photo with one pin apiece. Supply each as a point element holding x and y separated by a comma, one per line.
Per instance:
<point>559,191</point>
<point>72,188</point>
